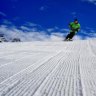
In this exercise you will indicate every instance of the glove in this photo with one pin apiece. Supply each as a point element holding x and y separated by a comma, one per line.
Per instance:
<point>77,30</point>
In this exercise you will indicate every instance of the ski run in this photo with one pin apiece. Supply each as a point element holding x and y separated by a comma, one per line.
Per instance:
<point>48,68</point>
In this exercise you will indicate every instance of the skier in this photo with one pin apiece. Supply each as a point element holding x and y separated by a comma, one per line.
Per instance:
<point>75,27</point>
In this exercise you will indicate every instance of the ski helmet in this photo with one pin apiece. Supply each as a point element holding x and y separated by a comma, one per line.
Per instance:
<point>75,19</point>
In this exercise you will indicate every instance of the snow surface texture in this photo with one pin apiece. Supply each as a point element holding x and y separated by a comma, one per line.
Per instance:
<point>48,68</point>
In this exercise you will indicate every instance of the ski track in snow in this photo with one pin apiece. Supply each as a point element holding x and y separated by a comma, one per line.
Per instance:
<point>48,68</point>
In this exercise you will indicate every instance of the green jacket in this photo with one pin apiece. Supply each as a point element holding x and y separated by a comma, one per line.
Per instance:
<point>74,27</point>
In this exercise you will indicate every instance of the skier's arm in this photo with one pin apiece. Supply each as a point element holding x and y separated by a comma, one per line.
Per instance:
<point>78,29</point>
<point>70,25</point>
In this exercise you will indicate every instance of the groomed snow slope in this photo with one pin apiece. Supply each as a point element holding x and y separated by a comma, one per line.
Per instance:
<point>48,68</point>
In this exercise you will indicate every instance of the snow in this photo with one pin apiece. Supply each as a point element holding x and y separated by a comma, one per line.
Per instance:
<point>48,68</point>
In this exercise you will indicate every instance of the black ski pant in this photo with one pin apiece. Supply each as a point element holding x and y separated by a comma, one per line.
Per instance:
<point>70,35</point>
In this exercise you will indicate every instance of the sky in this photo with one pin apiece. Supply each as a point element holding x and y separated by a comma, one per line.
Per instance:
<point>47,17</point>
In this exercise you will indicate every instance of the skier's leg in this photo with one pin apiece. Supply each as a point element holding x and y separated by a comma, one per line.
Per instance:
<point>68,36</point>
<point>72,35</point>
